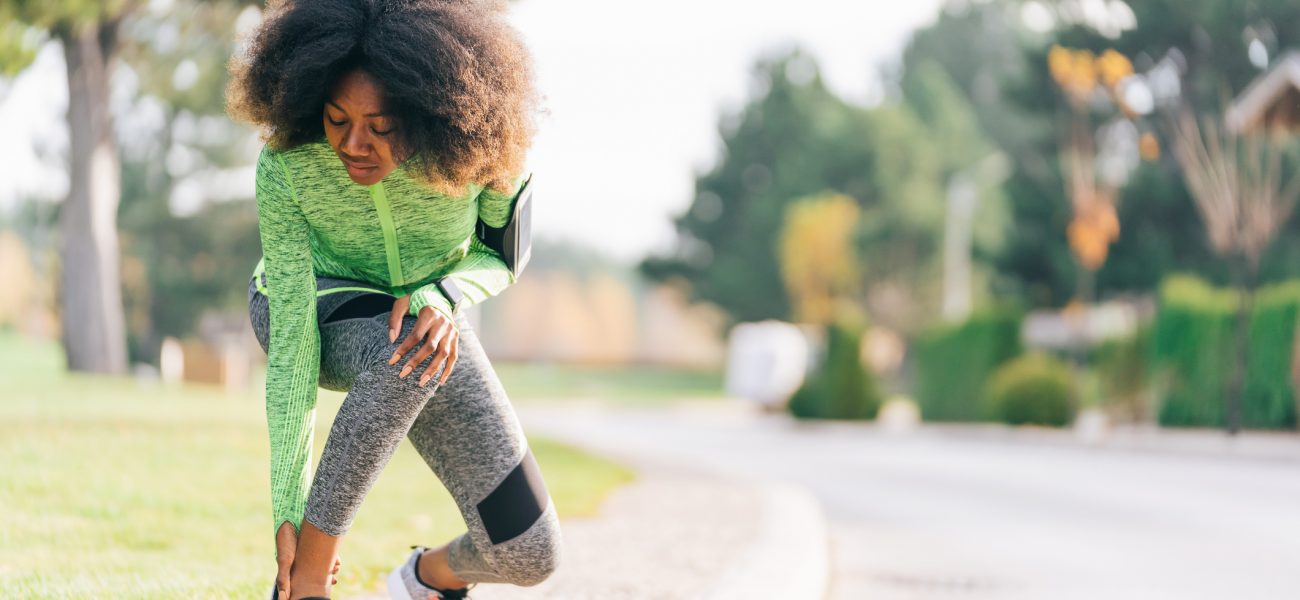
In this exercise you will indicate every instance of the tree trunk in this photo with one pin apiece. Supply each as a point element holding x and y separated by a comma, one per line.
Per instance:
<point>1241,347</point>
<point>1085,292</point>
<point>90,294</point>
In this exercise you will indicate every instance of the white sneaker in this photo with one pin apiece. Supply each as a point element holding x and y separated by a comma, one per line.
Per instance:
<point>404,583</point>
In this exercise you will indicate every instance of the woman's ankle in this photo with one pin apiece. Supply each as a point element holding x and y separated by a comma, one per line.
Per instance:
<point>305,590</point>
<point>433,569</point>
<point>305,585</point>
<point>313,564</point>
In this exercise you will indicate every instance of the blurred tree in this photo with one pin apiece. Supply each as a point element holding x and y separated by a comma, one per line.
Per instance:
<point>94,35</point>
<point>976,215</point>
<point>819,263</point>
<point>1218,46</point>
<point>1244,192</point>
<point>946,113</point>
<point>987,54</point>
<point>1092,195</point>
<point>1000,65</point>
<point>94,336</point>
<point>189,228</point>
<point>981,48</point>
<point>795,138</point>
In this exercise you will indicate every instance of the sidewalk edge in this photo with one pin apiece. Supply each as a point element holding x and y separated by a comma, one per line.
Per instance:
<point>790,558</point>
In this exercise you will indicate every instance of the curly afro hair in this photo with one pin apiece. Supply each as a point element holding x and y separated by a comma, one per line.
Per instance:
<point>456,77</point>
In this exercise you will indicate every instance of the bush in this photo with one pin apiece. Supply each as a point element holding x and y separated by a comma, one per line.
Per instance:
<point>1193,347</point>
<point>840,387</point>
<point>1032,389</point>
<point>955,361</point>
<point>1121,366</point>
<point>1269,395</point>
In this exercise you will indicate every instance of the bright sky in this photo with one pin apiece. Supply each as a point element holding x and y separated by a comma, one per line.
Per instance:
<point>634,92</point>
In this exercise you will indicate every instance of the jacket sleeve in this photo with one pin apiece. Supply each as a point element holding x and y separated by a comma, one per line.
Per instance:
<point>294,351</point>
<point>482,273</point>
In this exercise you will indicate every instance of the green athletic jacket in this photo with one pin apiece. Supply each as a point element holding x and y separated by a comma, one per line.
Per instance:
<point>397,235</point>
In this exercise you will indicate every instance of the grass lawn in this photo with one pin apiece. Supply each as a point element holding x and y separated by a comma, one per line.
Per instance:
<point>641,385</point>
<point>118,489</point>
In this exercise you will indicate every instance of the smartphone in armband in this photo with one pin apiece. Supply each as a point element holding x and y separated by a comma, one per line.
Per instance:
<point>513,241</point>
<point>452,291</point>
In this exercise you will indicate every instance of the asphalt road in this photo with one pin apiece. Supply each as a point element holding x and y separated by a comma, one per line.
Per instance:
<point>926,515</point>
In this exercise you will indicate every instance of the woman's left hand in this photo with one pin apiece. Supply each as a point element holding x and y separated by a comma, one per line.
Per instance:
<point>439,334</point>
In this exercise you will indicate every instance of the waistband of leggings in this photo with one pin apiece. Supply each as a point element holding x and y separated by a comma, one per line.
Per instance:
<point>259,275</point>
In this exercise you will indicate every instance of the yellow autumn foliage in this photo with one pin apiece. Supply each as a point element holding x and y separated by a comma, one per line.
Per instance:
<point>1114,67</point>
<point>1078,72</point>
<point>1091,232</point>
<point>818,260</point>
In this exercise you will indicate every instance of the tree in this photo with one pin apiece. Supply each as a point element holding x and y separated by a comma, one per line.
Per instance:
<point>1001,69</point>
<point>1094,224</point>
<point>818,261</point>
<point>188,236</point>
<point>92,35</point>
<point>795,138</point>
<point>773,152</point>
<point>975,220</point>
<point>1244,194</point>
<point>992,61</point>
<point>90,297</point>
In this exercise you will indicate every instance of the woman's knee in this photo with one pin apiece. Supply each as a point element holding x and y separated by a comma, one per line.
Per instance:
<point>520,521</point>
<point>534,556</point>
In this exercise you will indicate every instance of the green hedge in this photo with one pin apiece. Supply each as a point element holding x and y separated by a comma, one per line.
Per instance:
<point>1036,389</point>
<point>1194,347</point>
<point>841,387</point>
<point>955,361</point>
<point>1121,368</point>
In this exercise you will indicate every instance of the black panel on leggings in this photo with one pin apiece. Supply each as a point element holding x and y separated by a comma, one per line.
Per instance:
<point>365,305</point>
<point>516,503</point>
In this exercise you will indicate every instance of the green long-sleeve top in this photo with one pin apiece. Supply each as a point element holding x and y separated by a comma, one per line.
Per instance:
<point>396,235</point>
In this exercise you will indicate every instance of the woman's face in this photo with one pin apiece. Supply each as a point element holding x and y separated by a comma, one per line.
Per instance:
<point>358,130</point>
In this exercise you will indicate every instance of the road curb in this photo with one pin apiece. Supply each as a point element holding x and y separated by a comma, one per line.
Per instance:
<point>1201,443</point>
<point>790,553</point>
<point>790,558</point>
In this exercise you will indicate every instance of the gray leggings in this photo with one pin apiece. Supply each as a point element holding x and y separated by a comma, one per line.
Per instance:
<point>465,429</point>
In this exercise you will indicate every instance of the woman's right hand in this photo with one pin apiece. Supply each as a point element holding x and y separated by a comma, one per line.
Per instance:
<point>434,332</point>
<point>286,546</point>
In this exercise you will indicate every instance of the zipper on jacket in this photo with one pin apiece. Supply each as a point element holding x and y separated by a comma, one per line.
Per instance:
<point>390,238</point>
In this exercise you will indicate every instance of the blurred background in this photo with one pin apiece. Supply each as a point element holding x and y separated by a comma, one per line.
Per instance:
<point>1010,287</point>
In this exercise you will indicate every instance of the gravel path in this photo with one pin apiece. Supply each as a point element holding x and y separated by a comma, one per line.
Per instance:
<point>669,534</point>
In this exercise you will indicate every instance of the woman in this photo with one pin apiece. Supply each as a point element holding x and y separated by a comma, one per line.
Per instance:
<point>394,126</point>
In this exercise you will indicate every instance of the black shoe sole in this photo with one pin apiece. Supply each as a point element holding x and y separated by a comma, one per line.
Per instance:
<point>275,591</point>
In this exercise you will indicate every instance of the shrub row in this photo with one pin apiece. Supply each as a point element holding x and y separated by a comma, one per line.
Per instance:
<point>1193,352</point>
<point>955,361</point>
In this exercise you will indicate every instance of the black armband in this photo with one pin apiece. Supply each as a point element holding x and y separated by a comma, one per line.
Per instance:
<point>513,241</point>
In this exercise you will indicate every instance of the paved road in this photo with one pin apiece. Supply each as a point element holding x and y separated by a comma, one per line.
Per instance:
<point>928,516</point>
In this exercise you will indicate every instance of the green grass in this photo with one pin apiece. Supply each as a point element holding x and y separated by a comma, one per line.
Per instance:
<point>629,385</point>
<point>640,385</point>
<point>118,489</point>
